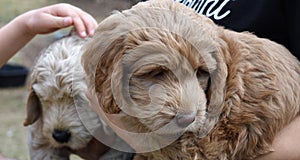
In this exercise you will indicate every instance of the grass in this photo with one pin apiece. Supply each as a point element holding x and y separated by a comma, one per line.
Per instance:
<point>12,133</point>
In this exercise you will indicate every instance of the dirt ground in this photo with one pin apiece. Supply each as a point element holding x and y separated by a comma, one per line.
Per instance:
<point>13,141</point>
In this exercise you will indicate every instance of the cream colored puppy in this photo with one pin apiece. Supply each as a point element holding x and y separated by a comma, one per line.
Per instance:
<point>59,119</point>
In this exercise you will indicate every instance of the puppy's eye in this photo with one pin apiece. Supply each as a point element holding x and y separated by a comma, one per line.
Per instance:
<point>156,74</point>
<point>203,78</point>
<point>202,73</point>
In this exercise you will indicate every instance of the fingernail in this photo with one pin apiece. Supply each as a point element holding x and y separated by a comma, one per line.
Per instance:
<point>83,34</point>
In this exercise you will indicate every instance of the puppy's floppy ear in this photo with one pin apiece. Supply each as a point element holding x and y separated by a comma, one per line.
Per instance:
<point>99,65</point>
<point>103,76</point>
<point>216,90</point>
<point>217,86</point>
<point>218,78</point>
<point>101,54</point>
<point>34,109</point>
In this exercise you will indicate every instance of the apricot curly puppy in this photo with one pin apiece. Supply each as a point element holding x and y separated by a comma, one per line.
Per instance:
<point>176,73</point>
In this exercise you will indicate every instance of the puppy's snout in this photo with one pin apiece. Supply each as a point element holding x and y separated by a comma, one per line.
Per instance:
<point>61,136</point>
<point>184,120</point>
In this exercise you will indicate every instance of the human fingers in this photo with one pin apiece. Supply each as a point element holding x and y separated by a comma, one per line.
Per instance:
<point>43,21</point>
<point>86,19</point>
<point>54,22</point>
<point>89,22</point>
<point>82,21</point>
<point>80,27</point>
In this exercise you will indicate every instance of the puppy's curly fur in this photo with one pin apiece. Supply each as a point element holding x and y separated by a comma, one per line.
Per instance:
<point>57,96</point>
<point>232,92</point>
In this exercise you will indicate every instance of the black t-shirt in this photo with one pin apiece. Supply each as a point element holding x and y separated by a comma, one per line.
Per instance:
<point>278,20</point>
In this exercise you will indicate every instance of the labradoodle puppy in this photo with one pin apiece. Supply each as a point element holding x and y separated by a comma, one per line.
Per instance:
<point>176,75</point>
<point>59,119</point>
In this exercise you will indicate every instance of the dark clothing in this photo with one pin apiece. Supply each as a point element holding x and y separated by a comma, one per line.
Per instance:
<point>278,20</point>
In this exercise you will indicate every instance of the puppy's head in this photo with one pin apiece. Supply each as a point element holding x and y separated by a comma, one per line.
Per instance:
<point>160,63</point>
<point>57,104</point>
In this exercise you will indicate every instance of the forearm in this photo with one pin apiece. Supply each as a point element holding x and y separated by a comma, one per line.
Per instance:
<point>286,143</point>
<point>13,37</point>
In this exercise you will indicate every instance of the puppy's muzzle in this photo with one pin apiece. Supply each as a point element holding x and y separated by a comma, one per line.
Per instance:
<point>61,136</point>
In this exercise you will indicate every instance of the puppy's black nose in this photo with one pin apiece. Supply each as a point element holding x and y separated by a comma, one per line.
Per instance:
<point>61,136</point>
<point>184,120</point>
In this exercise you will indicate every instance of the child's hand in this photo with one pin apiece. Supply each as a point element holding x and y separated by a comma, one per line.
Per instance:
<point>51,18</point>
